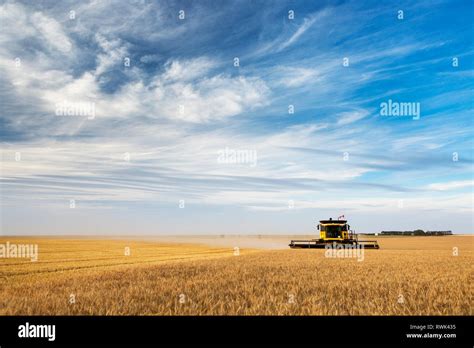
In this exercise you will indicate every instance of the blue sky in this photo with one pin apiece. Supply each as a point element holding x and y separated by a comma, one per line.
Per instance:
<point>168,100</point>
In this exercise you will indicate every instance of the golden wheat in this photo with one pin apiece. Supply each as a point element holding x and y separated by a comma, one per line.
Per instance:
<point>408,276</point>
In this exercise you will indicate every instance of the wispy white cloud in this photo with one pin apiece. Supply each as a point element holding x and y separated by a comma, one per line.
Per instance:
<point>451,185</point>
<point>176,70</point>
<point>351,117</point>
<point>294,32</point>
<point>52,32</point>
<point>113,53</point>
<point>295,76</point>
<point>307,23</point>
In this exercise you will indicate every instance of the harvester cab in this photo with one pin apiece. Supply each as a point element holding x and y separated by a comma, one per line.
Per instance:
<point>334,232</point>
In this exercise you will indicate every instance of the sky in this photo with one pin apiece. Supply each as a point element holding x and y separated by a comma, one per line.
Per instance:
<point>235,117</point>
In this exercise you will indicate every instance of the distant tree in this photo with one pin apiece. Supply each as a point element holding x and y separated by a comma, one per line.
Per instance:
<point>419,232</point>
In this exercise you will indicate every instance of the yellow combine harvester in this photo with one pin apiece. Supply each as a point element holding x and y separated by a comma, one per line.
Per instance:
<point>334,232</point>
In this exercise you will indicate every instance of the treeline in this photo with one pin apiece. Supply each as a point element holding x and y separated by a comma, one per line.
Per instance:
<point>416,233</point>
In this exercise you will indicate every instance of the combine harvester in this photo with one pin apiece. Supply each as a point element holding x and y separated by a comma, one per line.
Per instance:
<point>334,232</point>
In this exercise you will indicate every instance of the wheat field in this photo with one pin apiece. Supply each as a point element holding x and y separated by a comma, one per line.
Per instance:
<point>408,276</point>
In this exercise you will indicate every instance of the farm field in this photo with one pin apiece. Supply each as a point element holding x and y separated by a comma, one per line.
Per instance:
<point>209,276</point>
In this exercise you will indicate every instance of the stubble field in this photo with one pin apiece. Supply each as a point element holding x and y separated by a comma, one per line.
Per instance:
<point>407,276</point>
